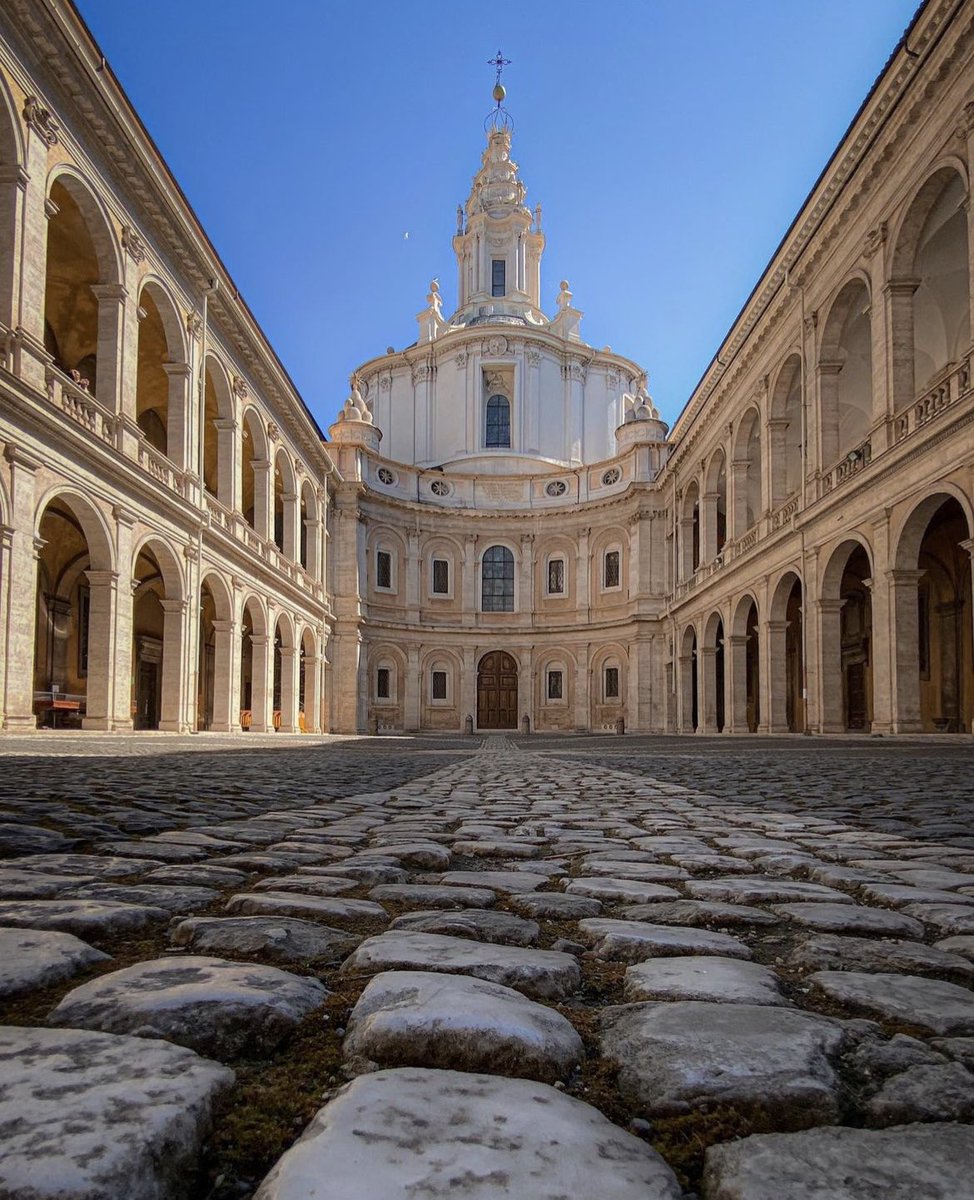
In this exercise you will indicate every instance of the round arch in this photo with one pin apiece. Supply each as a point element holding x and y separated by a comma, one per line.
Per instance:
<point>95,215</point>
<point>101,546</point>
<point>787,684</point>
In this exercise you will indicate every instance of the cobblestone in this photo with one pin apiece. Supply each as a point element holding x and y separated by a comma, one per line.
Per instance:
<point>705,924</point>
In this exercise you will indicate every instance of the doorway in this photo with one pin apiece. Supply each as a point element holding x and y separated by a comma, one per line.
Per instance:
<point>497,691</point>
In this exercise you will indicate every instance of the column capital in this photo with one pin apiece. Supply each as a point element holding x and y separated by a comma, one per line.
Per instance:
<point>109,292</point>
<point>101,578</point>
<point>901,577</point>
<point>177,370</point>
<point>224,625</point>
<point>174,606</point>
<point>123,516</point>
<point>17,456</point>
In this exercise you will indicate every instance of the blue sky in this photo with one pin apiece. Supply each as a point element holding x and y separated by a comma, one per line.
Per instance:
<point>670,143</point>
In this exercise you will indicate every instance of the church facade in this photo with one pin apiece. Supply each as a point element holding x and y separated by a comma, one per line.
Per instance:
<point>499,532</point>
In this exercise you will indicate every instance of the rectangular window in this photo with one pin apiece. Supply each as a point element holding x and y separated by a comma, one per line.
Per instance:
<point>439,685</point>
<point>498,277</point>
<point>382,683</point>
<point>556,576</point>
<point>611,574</point>
<point>441,577</point>
<point>383,569</point>
<point>555,685</point>
<point>612,683</point>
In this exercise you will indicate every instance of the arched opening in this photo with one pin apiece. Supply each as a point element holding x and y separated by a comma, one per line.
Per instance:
<point>285,699</point>
<point>254,696</point>
<point>308,528</point>
<point>786,650</point>
<point>930,289</point>
<point>497,691</point>
<point>219,435</point>
<point>162,375</point>
<point>10,160</point>
<point>309,715</point>
<point>846,639</point>
<point>254,473</point>
<point>157,639</point>
<point>747,473</point>
<point>745,668</point>
<point>785,432</point>
<point>497,580</point>
<point>79,326</point>
<point>714,676</point>
<point>497,423</point>
<point>689,683</point>
<point>62,630</point>
<point>713,535</point>
<point>285,505</point>
<point>690,530</point>
<point>846,374</point>
<point>215,657</point>
<point>932,620</point>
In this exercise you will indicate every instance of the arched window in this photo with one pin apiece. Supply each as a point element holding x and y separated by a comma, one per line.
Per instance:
<point>498,424</point>
<point>497,581</point>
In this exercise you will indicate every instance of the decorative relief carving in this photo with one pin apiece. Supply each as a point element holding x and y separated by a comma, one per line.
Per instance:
<point>384,475</point>
<point>240,388</point>
<point>272,431</point>
<point>461,359</point>
<point>134,243</point>
<point>557,487</point>
<point>612,380</point>
<point>533,355</point>
<point>874,239</point>
<point>421,372</point>
<point>440,487</point>
<point>967,118</point>
<point>611,476</point>
<point>194,324</point>
<point>574,370</point>
<point>385,383</point>
<point>40,120</point>
<point>497,345</point>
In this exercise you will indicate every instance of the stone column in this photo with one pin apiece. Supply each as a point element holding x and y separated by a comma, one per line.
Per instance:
<point>525,688</point>
<point>735,664</point>
<point>525,569</point>
<point>968,545</point>
<point>737,498</point>
<point>686,548</point>
<point>34,210</point>
<point>261,690</point>
<point>312,693</point>
<point>227,437</point>
<point>687,665</point>
<point>291,514</point>
<point>899,337</point>
<point>180,434</point>
<point>289,690</point>
<point>708,526</point>
<point>583,599</point>
<point>583,707</point>
<point>468,588</point>
<point>776,674</point>
<point>174,682</point>
<point>13,191</point>
<point>101,690</point>
<point>262,497</point>
<point>881,650</point>
<point>224,637</point>
<point>19,581</point>
<point>112,303</point>
<point>413,691</point>
<point>905,642</point>
<point>830,688</point>
<point>777,461</point>
<point>124,601</point>
<point>707,692</point>
<point>411,571</point>
<point>468,686</point>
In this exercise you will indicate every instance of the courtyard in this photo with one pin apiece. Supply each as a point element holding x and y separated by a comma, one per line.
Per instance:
<point>628,967</point>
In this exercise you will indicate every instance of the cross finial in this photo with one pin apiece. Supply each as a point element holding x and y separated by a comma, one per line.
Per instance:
<point>499,62</point>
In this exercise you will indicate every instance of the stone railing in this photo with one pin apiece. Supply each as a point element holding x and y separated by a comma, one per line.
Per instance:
<point>851,464</point>
<point>161,468</point>
<point>783,514</point>
<point>932,403</point>
<point>80,406</point>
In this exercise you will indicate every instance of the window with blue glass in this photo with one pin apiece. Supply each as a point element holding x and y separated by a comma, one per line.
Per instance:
<point>498,277</point>
<point>498,432</point>
<point>497,580</point>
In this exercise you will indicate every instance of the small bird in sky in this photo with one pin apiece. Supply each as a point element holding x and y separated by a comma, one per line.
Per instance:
<point>405,236</point>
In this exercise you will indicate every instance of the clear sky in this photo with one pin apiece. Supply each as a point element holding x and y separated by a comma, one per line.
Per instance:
<point>670,143</point>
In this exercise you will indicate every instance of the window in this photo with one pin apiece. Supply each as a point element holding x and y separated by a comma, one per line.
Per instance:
<point>441,577</point>
<point>383,569</point>
<point>611,683</point>
<point>498,277</point>
<point>439,685</point>
<point>556,576</point>
<point>498,430</point>
<point>555,685</point>
<point>610,574</point>
<point>497,580</point>
<point>382,683</point>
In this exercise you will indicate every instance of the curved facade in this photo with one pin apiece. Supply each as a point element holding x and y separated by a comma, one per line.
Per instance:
<point>500,531</point>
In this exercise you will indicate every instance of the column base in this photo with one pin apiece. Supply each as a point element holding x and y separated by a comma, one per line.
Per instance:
<point>99,724</point>
<point>20,724</point>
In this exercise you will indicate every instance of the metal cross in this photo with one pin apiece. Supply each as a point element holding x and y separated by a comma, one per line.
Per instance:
<point>500,62</point>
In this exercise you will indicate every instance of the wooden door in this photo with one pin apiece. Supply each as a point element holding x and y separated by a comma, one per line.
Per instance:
<point>147,710</point>
<point>497,691</point>
<point>855,678</point>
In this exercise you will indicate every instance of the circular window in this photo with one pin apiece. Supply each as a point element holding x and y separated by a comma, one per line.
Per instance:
<point>613,475</point>
<point>440,487</point>
<point>384,475</point>
<point>558,487</point>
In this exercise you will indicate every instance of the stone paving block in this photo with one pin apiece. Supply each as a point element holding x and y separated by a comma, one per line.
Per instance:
<point>941,1092</point>
<point>556,906</point>
<point>543,974</point>
<point>618,890</point>
<point>698,912</point>
<point>850,918</point>
<point>216,1007</point>
<point>479,924</point>
<point>635,941</point>
<point>944,918</point>
<point>34,958</point>
<point>500,881</point>
<point>172,897</point>
<point>759,889</point>
<point>432,895</point>
<point>93,1116</point>
<point>702,977</point>
<point>932,1162</point>
<point>84,918</point>
<point>18,884</point>
<point>309,885</point>
<point>930,1004</point>
<point>424,1019</point>
<point>481,1138</point>
<point>280,939</point>
<point>829,952</point>
<point>335,909</point>
<point>674,1057</point>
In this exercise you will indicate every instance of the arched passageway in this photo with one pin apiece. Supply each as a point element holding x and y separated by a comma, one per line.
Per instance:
<point>255,696</point>
<point>846,641</point>
<point>157,640</point>
<point>214,676</point>
<point>689,689</point>
<point>745,668</point>
<point>497,691</point>
<point>786,650</point>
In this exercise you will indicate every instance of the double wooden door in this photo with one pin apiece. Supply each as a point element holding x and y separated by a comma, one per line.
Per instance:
<point>497,691</point>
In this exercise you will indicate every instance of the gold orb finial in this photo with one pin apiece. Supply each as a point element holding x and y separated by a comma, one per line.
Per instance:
<point>499,92</point>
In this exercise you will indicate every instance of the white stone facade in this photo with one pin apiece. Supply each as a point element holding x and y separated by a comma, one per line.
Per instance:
<point>501,532</point>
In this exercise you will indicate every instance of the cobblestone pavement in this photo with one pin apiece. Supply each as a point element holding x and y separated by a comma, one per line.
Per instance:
<point>624,968</point>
